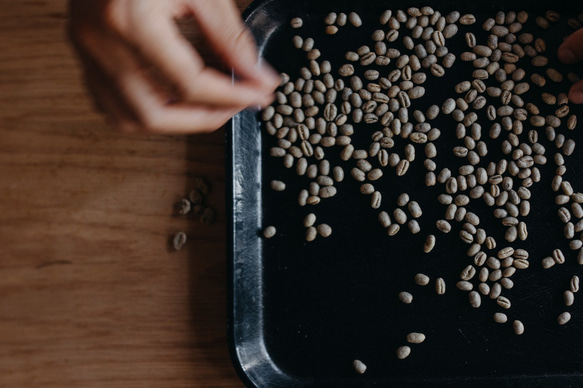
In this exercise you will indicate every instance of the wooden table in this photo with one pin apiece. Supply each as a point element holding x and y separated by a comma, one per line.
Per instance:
<point>91,295</point>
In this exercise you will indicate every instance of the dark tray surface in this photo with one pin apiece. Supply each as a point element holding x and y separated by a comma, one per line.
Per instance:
<point>300,313</point>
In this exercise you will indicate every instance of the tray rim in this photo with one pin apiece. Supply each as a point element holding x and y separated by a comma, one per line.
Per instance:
<point>254,366</point>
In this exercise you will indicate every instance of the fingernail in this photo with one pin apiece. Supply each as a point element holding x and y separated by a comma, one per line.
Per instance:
<point>576,96</point>
<point>566,55</point>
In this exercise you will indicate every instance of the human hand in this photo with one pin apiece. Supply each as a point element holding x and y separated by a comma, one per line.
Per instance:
<point>146,77</point>
<point>571,51</point>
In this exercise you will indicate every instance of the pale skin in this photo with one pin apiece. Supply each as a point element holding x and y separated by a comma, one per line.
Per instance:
<point>144,75</point>
<point>571,51</point>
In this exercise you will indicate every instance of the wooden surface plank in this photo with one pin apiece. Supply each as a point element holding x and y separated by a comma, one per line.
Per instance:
<point>91,294</point>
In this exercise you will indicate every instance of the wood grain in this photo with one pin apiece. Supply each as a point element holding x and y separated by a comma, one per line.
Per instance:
<point>90,293</point>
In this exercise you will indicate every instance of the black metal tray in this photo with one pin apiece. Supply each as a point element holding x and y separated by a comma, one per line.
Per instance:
<point>300,313</point>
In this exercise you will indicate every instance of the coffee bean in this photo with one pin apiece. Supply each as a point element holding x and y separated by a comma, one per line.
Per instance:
<point>405,297</point>
<point>403,352</point>
<point>421,279</point>
<point>563,318</point>
<point>359,366</point>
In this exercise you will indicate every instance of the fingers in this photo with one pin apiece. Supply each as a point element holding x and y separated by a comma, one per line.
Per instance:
<point>145,76</point>
<point>159,42</point>
<point>221,22</point>
<point>576,93</point>
<point>571,50</point>
<point>155,115</point>
<point>136,101</point>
